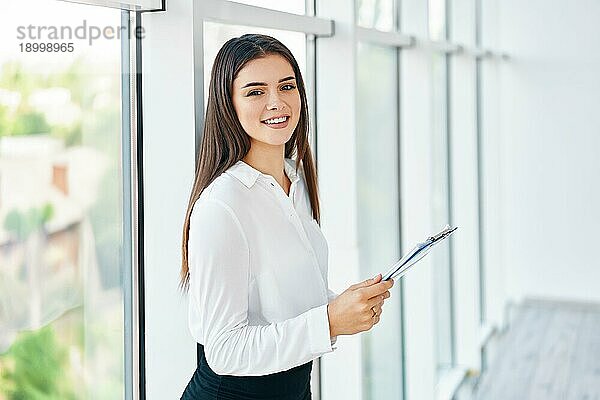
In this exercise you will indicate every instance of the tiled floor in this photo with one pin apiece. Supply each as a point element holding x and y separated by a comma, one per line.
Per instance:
<point>550,352</point>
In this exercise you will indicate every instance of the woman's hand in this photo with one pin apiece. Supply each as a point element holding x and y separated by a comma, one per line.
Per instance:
<point>358,308</point>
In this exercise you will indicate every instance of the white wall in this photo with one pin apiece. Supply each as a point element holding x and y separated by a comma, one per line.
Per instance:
<point>550,166</point>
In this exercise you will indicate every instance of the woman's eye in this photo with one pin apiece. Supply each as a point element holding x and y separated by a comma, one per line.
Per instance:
<point>289,86</point>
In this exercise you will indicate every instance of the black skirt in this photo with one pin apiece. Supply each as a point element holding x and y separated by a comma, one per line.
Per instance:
<point>293,384</point>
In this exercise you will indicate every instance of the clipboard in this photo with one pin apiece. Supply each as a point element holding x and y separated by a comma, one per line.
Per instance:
<point>401,267</point>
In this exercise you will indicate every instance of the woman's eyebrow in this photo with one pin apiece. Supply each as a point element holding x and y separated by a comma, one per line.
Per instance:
<point>264,84</point>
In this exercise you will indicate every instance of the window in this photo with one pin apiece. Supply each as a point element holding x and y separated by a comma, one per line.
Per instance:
<point>375,14</point>
<point>442,277</point>
<point>437,19</point>
<point>61,205</point>
<point>378,211</point>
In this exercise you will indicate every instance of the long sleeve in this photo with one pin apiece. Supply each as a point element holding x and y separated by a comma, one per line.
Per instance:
<point>219,255</point>
<point>330,296</point>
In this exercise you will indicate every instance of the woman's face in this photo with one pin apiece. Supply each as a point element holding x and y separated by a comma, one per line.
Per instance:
<point>266,100</point>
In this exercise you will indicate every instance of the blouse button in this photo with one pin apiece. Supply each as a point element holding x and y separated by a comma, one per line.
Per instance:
<point>272,184</point>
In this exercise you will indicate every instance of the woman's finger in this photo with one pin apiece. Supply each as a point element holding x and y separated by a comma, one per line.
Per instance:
<point>373,301</point>
<point>377,310</point>
<point>366,283</point>
<point>376,289</point>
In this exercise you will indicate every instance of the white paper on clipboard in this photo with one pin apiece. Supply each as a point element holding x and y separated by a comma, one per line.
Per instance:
<point>416,253</point>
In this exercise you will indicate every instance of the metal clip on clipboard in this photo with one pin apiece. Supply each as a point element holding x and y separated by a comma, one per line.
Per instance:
<point>418,252</point>
<point>447,231</point>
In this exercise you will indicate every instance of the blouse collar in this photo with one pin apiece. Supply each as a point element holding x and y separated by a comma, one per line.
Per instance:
<point>248,174</point>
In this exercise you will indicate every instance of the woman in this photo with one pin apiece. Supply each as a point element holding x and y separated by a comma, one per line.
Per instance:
<point>254,257</point>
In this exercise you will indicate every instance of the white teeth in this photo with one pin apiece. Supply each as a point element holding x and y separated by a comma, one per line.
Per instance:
<point>275,120</point>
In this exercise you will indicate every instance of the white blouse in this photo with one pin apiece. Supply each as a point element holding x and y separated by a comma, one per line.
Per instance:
<point>258,274</point>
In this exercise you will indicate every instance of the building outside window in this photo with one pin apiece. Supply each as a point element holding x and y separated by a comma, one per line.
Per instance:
<point>61,206</point>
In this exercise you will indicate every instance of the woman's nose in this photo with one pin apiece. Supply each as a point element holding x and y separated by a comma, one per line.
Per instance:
<point>275,102</point>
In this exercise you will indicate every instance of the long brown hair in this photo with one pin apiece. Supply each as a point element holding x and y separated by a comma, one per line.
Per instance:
<point>224,141</point>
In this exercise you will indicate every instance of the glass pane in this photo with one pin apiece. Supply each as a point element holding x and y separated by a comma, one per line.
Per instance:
<point>437,19</point>
<point>216,34</point>
<point>378,14</point>
<point>61,300</point>
<point>378,220</point>
<point>291,6</point>
<point>440,217</point>
<point>441,258</point>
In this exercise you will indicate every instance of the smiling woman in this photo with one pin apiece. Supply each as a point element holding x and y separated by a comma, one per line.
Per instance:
<point>268,111</point>
<point>252,238</point>
<point>255,82</point>
<point>250,83</point>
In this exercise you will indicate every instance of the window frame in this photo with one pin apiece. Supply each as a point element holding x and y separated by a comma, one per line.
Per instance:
<point>131,208</point>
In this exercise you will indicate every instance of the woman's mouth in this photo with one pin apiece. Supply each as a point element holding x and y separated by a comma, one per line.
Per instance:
<point>277,123</point>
